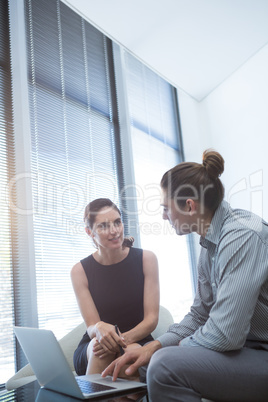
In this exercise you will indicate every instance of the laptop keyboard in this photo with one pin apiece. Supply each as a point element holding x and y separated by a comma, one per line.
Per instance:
<point>88,387</point>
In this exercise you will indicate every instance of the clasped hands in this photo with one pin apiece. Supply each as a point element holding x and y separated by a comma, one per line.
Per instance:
<point>107,340</point>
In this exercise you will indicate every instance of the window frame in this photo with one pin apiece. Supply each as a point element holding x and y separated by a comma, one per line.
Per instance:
<point>23,253</point>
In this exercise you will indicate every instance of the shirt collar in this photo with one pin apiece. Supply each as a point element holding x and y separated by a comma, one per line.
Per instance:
<point>213,233</point>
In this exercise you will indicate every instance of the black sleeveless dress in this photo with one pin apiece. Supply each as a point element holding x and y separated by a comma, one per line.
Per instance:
<point>117,291</point>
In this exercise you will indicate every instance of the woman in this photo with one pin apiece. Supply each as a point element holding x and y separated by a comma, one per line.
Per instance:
<point>219,351</point>
<point>117,290</point>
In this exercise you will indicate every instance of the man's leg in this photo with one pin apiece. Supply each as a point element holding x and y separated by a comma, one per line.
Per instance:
<point>187,374</point>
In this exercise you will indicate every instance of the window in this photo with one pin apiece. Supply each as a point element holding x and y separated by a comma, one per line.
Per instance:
<point>66,146</point>
<point>73,155</point>
<point>156,148</point>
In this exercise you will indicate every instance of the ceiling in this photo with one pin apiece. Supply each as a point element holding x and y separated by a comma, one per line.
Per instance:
<point>193,44</point>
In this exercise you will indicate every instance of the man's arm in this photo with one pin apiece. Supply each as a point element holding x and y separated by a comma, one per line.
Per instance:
<point>242,269</point>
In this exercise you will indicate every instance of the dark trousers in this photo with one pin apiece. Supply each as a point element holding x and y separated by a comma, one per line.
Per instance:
<point>188,374</point>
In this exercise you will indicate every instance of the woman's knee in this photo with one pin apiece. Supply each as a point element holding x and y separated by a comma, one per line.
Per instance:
<point>90,348</point>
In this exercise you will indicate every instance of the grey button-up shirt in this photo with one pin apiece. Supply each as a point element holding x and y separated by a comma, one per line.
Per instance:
<point>231,303</point>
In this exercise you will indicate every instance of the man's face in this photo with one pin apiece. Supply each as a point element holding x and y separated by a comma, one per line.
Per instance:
<point>178,217</point>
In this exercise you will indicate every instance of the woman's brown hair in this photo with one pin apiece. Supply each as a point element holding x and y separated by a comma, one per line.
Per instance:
<point>197,181</point>
<point>92,210</point>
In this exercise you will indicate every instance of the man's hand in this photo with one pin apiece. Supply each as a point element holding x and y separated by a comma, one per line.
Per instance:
<point>136,358</point>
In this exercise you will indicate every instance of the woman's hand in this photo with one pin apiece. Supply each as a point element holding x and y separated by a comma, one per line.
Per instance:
<point>107,339</point>
<point>99,351</point>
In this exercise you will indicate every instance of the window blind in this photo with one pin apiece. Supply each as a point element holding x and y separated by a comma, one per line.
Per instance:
<point>6,160</point>
<point>156,148</point>
<point>74,157</point>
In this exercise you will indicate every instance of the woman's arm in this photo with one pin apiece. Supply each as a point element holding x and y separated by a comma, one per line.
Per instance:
<point>105,333</point>
<point>151,300</point>
<point>85,302</point>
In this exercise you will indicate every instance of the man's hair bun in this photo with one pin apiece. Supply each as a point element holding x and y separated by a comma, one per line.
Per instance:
<point>213,162</point>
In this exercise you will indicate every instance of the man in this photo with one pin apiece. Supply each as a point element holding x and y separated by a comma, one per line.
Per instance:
<point>219,351</point>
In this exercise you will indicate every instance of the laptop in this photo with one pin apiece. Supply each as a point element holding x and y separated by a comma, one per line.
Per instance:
<point>54,373</point>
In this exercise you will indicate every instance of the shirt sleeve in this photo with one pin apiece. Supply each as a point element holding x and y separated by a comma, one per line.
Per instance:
<point>241,262</point>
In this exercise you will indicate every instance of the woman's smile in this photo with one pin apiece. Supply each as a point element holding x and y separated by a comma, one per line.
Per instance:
<point>115,239</point>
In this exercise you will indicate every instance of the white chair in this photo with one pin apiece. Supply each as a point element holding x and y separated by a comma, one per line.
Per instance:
<point>69,343</point>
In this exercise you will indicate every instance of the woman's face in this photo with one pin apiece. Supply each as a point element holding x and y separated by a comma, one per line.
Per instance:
<point>179,218</point>
<point>108,229</point>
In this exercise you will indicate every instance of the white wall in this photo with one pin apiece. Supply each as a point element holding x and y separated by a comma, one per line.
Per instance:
<point>233,119</point>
